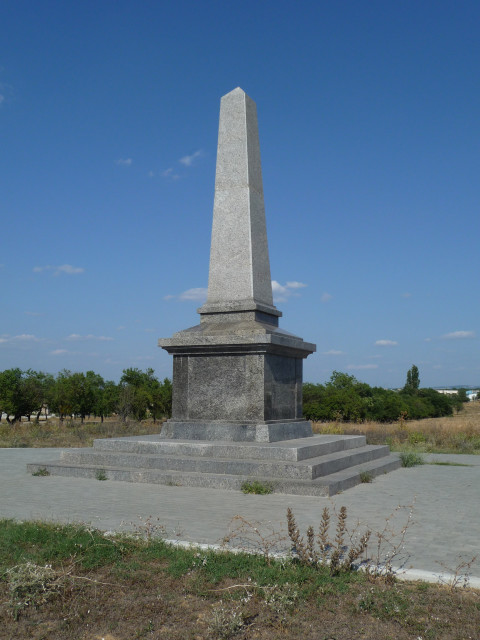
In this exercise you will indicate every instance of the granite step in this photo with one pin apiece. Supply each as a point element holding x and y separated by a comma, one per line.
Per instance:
<point>292,450</point>
<point>322,486</point>
<point>304,469</point>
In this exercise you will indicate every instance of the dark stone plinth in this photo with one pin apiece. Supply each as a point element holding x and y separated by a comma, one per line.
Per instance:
<point>236,432</point>
<point>242,372</point>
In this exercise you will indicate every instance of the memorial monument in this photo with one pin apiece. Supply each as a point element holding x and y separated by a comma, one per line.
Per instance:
<point>237,377</point>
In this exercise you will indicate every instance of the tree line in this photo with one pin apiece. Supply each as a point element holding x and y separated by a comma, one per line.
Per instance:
<point>138,395</point>
<point>345,399</point>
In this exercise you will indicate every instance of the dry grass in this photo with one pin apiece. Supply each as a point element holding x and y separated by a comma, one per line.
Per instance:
<point>459,433</point>
<point>126,589</point>
<point>70,433</point>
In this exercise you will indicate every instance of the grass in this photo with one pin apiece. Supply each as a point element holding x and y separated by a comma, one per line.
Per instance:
<point>258,488</point>
<point>459,433</point>
<point>70,433</point>
<point>41,472</point>
<point>71,581</point>
<point>411,459</point>
<point>456,434</point>
<point>366,477</point>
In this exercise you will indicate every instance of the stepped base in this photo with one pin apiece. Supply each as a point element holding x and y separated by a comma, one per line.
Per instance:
<point>320,465</point>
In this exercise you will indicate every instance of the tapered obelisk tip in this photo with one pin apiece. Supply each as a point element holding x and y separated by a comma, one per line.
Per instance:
<point>239,276</point>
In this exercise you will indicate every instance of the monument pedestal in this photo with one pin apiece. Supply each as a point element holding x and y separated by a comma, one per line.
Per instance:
<point>237,376</point>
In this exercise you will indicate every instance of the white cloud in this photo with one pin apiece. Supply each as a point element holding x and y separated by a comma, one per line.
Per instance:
<point>170,174</point>
<point>188,160</point>
<point>459,335</point>
<point>67,268</point>
<point>76,336</point>
<point>59,352</point>
<point>386,343</point>
<point>63,268</point>
<point>281,292</point>
<point>121,328</point>
<point>333,352</point>
<point>406,295</point>
<point>326,297</point>
<point>362,366</point>
<point>23,337</point>
<point>197,293</point>
<point>124,162</point>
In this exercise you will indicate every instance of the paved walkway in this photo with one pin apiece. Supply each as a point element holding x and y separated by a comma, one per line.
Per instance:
<point>444,529</point>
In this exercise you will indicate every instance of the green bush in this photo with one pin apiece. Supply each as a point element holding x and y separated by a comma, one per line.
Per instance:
<point>344,398</point>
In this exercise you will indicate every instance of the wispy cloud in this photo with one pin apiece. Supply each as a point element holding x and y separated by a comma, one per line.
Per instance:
<point>59,352</point>
<point>169,174</point>
<point>282,292</point>
<point>406,294</point>
<point>459,335</point>
<point>325,297</point>
<point>124,162</point>
<point>23,337</point>
<point>333,352</point>
<point>386,343</point>
<point>67,269</point>
<point>362,366</point>
<point>189,160</point>
<point>197,293</point>
<point>26,337</point>
<point>76,337</point>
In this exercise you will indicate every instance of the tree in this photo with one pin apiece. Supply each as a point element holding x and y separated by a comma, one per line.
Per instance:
<point>21,393</point>
<point>413,380</point>
<point>137,389</point>
<point>162,399</point>
<point>107,400</point>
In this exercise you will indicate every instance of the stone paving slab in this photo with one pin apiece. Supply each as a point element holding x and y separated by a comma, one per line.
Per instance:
<point>445,519</point>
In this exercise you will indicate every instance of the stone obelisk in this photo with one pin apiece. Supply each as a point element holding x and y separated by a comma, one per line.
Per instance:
<point>239,277</point>
<point>236,375</point>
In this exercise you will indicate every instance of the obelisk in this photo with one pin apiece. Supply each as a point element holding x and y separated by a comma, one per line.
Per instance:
<point>236,375</point>
<point>239,276</point>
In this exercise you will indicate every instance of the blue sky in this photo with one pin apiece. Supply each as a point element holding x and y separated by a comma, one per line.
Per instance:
<point>369,133</point>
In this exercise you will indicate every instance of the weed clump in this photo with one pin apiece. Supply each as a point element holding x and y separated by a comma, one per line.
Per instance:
<point>258,488</point>
<point>31,584</point>
<point>225,621</point>
<point>365,476</point>
<point>320,549</point>
<point>411,459</point>
<point>42,472</point>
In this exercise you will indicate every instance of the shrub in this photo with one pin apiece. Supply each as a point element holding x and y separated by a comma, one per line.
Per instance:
<point>257,487</point>
<point>410,459</point>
